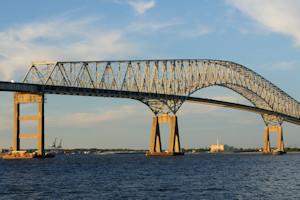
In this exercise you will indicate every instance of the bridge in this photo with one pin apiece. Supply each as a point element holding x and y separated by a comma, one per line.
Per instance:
<point>162,85</point>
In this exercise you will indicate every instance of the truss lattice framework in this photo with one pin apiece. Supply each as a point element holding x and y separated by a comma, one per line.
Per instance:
<point>175,77</point>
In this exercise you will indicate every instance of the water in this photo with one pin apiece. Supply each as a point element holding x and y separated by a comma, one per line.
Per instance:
<point>202,176</point>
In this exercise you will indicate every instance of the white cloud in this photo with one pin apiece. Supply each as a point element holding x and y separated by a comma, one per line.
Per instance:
<point>282,65</point>
<point>98,116</point>
<point>276,15</point>
<point>152,26</point>
<point>196,31</point>
<point>141,6</point>
<point>58,39</point>
<point>138,111</point>
<point>191,110</point>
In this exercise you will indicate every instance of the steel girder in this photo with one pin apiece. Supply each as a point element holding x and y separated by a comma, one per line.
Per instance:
<point>174,77</point>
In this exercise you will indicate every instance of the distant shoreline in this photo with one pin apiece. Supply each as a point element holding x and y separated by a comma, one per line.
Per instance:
<point>97,151</point>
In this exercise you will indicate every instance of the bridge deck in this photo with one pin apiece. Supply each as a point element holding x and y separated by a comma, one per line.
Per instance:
<point>66,90</point>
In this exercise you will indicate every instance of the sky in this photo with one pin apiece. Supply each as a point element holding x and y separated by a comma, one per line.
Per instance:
<point>263,35</point>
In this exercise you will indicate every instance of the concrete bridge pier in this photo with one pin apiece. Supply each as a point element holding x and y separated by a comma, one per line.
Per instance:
<point>174,143</point>
<point>280,145</point>
<point>26,98</point>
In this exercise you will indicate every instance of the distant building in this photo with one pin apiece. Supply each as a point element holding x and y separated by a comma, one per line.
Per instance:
<point>217,148</point>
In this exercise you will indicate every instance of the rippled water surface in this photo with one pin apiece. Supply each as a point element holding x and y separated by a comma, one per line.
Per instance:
<point>202,176</point>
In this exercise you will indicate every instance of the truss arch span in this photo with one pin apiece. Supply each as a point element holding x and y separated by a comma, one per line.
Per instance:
<point>173,77</point>
<point>260,92</point>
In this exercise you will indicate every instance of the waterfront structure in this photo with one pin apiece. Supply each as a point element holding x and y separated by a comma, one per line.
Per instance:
<point>162,85</point>
<point>214,148</point>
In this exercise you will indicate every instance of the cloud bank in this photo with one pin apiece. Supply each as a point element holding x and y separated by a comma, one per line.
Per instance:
<point>141,6</point>
<point>58,39</point>
<point>275,15</point>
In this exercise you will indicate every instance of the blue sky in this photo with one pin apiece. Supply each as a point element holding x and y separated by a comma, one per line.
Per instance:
<point>263,35</point>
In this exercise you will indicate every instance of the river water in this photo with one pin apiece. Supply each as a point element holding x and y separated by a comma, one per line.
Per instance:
<point>120,176</point>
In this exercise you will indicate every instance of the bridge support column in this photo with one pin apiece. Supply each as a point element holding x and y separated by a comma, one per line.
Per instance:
<point>25,98</point>
<point>267,147</point>
<point>280,145</point>
<point>155,145</point>
<point>174,143</point>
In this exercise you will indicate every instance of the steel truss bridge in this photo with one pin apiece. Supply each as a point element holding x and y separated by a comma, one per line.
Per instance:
<point>162,85</point>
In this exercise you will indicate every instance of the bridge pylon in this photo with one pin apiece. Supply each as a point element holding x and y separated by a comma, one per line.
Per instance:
<point>280,145</point>
<point>174,143</point>
<point>29,98</point>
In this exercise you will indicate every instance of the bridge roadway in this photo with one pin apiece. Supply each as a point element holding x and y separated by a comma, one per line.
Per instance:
<point>78,91</point>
